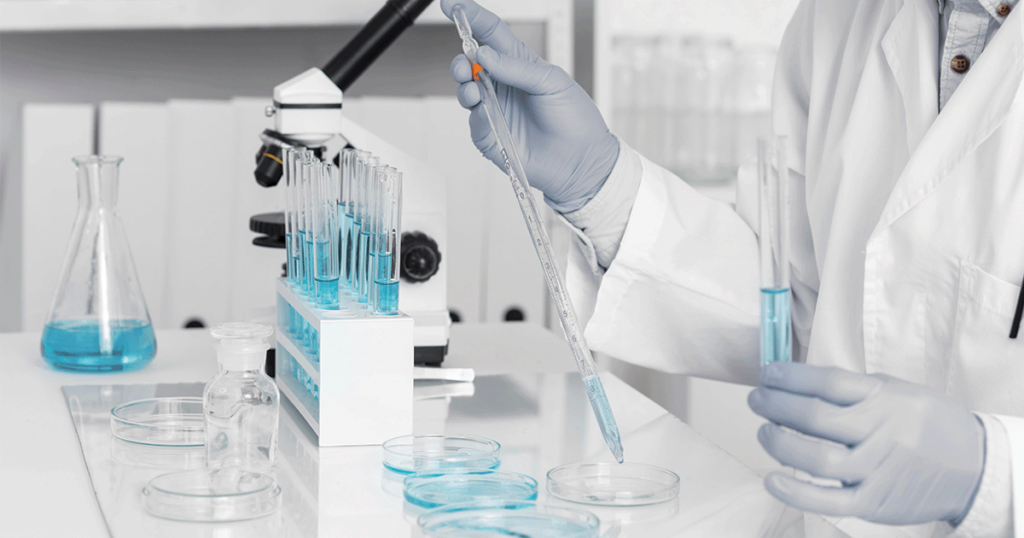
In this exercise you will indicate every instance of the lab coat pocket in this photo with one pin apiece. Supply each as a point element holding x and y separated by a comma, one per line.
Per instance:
<point>987,366</point>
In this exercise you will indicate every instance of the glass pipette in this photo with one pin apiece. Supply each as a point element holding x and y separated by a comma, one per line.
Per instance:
<point>541,242</point>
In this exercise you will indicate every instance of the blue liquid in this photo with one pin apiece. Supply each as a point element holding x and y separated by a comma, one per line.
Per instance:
<point>362,262</point>
<point>603,412</point>
<point>387,297</point>
<point>353,258</point>
<point>325,286</point>
<point>307,254</point>
<point>75,345</point>
<point>291,259</point>
<point>345,230</point>
<point>435,491</point>
<point>776,333</point>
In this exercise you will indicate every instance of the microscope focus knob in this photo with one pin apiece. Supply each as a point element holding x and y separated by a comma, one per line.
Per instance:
<point>421,258</point>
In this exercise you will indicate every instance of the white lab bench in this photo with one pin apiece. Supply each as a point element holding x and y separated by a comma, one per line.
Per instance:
<point>527,397</point>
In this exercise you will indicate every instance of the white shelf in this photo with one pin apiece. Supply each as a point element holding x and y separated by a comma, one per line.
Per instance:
<point>50,15</point>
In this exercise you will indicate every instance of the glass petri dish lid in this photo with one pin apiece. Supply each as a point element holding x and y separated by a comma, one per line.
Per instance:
<point>431,453</point>
<point>613,484</point>
<point>160,422</point>
<point>508,518</point>
<point>230,494</point>
<point>433,490</point>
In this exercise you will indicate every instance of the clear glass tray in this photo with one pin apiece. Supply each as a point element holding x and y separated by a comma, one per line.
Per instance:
<point>160,422</point>
<point>432,490</point>
<point>511,518</point>
<point>431,453</point>
<point>613,484</point>
<point>220,495</point>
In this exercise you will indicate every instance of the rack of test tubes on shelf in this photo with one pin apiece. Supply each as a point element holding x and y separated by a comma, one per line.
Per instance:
<point>344,351</point>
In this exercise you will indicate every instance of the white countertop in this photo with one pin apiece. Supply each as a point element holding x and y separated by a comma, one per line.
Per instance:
<point>540,415</point>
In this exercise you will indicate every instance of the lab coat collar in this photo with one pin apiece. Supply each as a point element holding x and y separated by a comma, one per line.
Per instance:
<point>938,142</point>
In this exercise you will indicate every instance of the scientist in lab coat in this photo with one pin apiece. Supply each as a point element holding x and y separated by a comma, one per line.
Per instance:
<point>906,133</point>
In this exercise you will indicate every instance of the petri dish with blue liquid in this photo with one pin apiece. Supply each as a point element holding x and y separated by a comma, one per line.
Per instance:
<point>433,453</point>
<point>509,518</point>
<point>433,490</point>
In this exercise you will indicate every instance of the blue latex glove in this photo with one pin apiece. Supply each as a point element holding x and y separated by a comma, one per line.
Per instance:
<point>566,148</point>
<point>905,454</point>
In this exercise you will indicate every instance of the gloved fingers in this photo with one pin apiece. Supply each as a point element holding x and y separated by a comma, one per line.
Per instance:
<point>462,69</point>
<point>535,77</point>
<point>481,133</point>
<point>810,415</point>
<point>488,28</point>
<point>811,498</point>
<point>469,94</point>
<point>833,384</point>
<point>820,458</point>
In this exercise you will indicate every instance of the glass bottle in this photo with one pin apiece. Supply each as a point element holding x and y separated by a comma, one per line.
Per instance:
<point>98,320</point>
<point>241,404</point>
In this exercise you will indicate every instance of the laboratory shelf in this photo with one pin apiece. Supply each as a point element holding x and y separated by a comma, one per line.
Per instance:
<point>49,15</point>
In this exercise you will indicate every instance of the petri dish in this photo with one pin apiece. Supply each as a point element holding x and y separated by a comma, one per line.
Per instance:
<point>230,494</point>
<point>433,490</point>
<point>509,518</point>
<point>613,484</point>
<point>430,453</point>
<point>160,422</point>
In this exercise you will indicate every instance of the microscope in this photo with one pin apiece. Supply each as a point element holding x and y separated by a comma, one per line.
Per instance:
<point>307,112</point>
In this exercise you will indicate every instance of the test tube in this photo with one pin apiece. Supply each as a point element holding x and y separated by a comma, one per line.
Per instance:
<point>373,246</point>
<point>299,225</point>
<point>365,207</point>
<point>289,160</point>
<point>345,218</point>
<point>357,160</point>
<point>773,242</point>
<point>389,244</point>
<point>325,236</point>
<point>309,168</point>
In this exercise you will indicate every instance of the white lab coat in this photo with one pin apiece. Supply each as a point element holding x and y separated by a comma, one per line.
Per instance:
<point>909,224</point>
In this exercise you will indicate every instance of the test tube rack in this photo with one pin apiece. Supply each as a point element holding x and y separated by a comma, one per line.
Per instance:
<point>348,372</point>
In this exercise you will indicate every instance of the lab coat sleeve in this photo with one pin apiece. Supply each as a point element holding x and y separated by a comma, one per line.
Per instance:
<point>681,294</point>
<point>991,515</point>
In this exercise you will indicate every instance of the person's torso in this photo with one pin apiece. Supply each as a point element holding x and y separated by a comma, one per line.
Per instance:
<point>916,218</point>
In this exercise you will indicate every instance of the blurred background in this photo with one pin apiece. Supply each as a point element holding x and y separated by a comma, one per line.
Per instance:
<point>177,87</point>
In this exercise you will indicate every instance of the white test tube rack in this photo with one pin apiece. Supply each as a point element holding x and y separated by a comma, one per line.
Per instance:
<point>354,383</point>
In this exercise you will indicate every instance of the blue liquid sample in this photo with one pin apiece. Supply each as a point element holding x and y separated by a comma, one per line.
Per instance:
<point>345,231</point>
<point>307,254</point>
<point>776,333</point>
<point>291,259</point>
<point>432,491</point>
<point>387,297</point>
<point>76,345</point>
<point>603,412</point>
<point>362,264</point>
<point>353,258</point>
<point>325,286</point>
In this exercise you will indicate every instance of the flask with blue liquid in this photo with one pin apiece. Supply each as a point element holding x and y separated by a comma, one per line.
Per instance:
<point>98,321</point>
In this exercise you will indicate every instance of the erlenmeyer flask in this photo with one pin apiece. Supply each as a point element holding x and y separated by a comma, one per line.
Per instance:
<point>98,321</point>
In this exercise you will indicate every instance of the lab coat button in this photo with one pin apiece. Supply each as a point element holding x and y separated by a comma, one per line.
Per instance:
<point>1003,10</point>
<point>961,64</point>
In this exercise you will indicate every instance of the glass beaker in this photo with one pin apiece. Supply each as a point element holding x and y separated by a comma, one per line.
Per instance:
<point>98,320</point>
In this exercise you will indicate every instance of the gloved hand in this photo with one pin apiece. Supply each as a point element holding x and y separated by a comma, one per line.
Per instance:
<point>566,148</point>
<point>904,453</point>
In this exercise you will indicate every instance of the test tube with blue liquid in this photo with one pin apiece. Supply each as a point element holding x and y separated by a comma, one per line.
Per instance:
<point>389,238</point>
<point>325,236</point>
<point>366,206</point>
<point>376,208</point>
<point>309,167</point>
<point>345,218</point>
<point>774,244</point>
<point>358,159</point>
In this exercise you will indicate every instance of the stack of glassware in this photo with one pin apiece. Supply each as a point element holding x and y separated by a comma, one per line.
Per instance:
<point>691,104</point>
